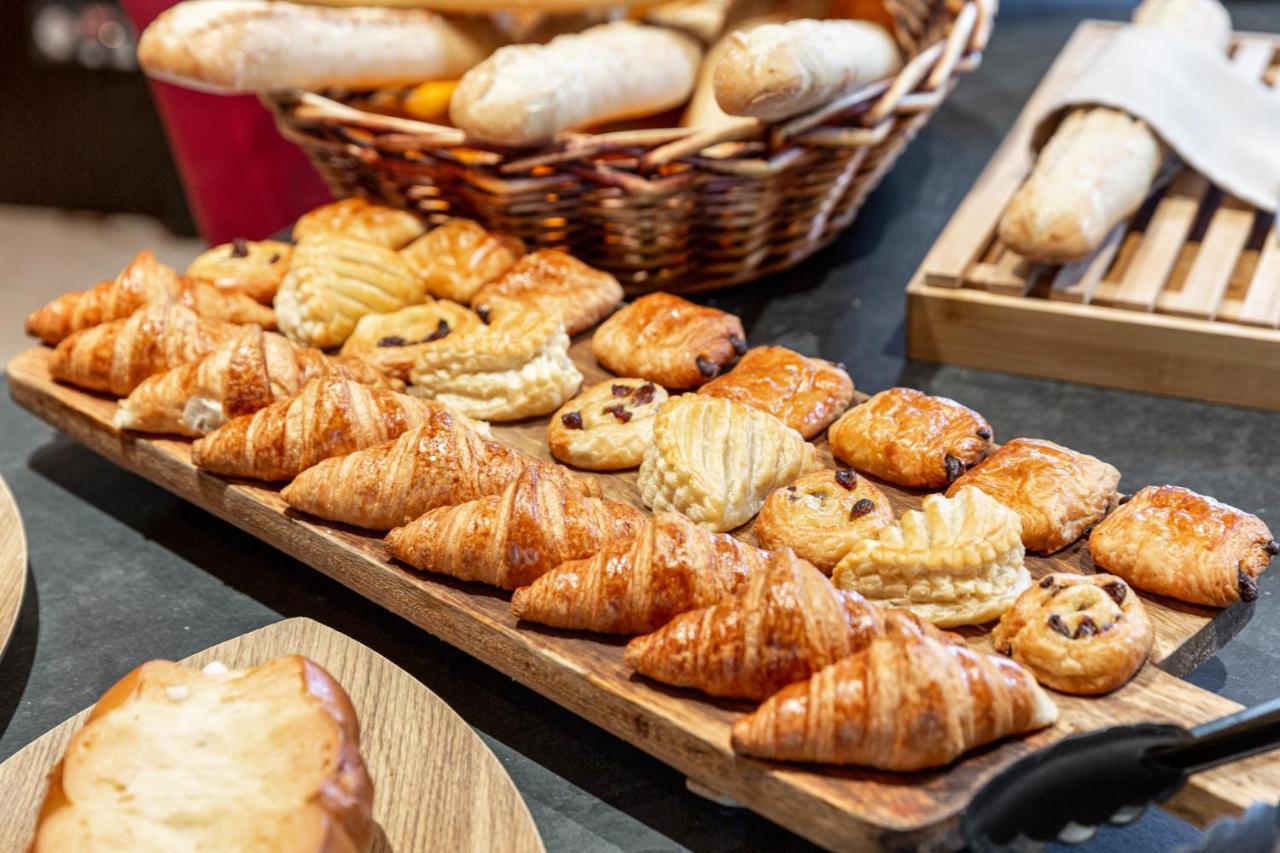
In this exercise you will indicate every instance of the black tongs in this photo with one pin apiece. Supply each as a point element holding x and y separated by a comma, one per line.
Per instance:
<point>1066,791</point>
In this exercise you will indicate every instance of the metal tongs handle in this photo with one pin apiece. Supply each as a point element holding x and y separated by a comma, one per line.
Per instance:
<point>1225,739</point>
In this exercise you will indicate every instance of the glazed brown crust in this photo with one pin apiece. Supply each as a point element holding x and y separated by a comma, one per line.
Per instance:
<point>821,515</point>
<point>254,268</point>
<point>910,438</point>
<point>559,284</point>
<point>457,257</point>
<point>1085,634</point>
<point>1058,493</point>
<point>669,340</point>
<point>358,219</point>
<point>1172,541</point>
<point>806,394</point>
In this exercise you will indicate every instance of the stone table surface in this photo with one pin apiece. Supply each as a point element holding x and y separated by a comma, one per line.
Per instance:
<point>122,572</point>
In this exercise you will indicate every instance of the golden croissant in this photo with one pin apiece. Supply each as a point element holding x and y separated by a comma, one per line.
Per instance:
<point>910,700</point>
<point>330,416</point>
<point>115,357</point>
<point>249,372</point>
<point>511,539</point>
<point>441,462</point>
<point>671,566</point>
<point>145,279</point>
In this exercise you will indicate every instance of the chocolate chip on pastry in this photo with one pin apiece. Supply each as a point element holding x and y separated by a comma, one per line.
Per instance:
<point>821,515</point>
<point>608,426</point>
<point>668,340</point>
<point>806,394</point>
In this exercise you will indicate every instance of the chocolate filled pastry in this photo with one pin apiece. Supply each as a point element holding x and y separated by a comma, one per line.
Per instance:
<point>1059,493</point>
<point>911,439</point>
<point>821,516</point>
<point>559,284</point>
<point>806,394</point>
<point>669,340</point>
<point>1172,541</point>
<point>608,426</point>
<point>1085,634</point>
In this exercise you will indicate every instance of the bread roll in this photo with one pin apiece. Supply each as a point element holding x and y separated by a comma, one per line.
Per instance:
<point>254,45</point>
<point>526,94</point>
<point>776,71</point>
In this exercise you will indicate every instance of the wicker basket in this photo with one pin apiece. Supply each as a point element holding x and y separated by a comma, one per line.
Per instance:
<point>673,209</point>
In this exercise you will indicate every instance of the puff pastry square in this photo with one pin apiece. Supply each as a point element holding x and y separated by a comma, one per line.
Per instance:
<point>806,394</point>
<point>456,258</point>
<point>669,340</point>
<point>608,426</point>
<point>910,438</point>
<point>1172,541</point>
<point>715,461</point>
<point>359,219</point>
<point>252,267</point>
<point>563,286</point>
<point>1058,493</point>
<point>822,515</point>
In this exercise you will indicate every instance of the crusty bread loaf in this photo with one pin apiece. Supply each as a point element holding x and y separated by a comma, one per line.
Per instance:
<point>525,94</point>
<point>255,45</point>
<point>175,758</point>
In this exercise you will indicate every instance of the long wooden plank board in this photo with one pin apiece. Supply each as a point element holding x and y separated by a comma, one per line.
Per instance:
<point>13,564</point>
<point>842,808</point>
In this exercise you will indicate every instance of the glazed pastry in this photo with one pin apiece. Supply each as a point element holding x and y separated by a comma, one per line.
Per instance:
<point>788,623</point>
<point>559,284</point>
<point>515,367</point>
<point>250,371</point>
<point>955,561</point>
<point>821,516</point>
<point>512,539</point>
<point>671,566</point>
<point>908,701</point>
<point>1172,541</point>
<point>1085,634</point>
<point>334,281</point>
<point>391,342</point>
<point>669,340</point>
<point>1058,493</point>
<point>456,258</point>
<point>144,280</point>
<point>716,461</point>
<point>806,394</point>
<point>252,267</point>
<point>608,426</point>
<point>115,357</point>
<point>911,439</point>
<point>443,461</point>
<point>330,416</point>
<point>358,219</point>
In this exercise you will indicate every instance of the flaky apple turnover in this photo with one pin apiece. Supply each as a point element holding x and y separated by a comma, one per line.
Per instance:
<point>608,426</point>
<point>821,515</point>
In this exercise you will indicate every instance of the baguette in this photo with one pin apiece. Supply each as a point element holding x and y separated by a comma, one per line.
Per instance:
<point>1099,165</point>
<point>526,94</point>
<point>253,45</point>
<point>775,71</point>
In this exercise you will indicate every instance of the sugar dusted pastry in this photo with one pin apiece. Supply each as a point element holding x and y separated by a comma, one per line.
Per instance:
<point>908,701</point>
<point>559,284</point>
<point>911,439</point>
<point>671,566</point>
<point>252,267</point>
<point>806,394</point>
<point>608,426</point>
<point>955,561</point>
<point>517,366</point>
<point>359,219</point>
<point>1172,541</point>
<point>669,340</point>
<point>512,539</point>
<point>1084,634</point>
<point>716,461</point>
<point>786,624</point>
<point>1058,493</point>
<point>821,515</point>
<point>456,258</point>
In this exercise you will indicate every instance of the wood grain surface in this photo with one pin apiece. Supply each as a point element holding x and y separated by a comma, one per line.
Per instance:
<point>436,785</point>
<point>841,808</point>
<point>13,564</point>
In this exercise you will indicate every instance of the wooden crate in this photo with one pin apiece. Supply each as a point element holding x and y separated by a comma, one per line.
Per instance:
<point>1182,299</point>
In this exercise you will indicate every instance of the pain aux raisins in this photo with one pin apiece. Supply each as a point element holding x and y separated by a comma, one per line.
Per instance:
<point>864,506</point>
<point>572,420</point>
<point>644,394</point>
<point>620,412</point>
<point>847,477</point>
<point>621,390</point>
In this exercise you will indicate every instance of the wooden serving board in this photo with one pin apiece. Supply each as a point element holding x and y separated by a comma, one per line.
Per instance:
<point>436,785</point>
<point>1183,299</point>
<point>13,564</point>
<point>841,808</point>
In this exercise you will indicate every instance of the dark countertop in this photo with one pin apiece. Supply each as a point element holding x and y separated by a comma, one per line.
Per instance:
<point>122,572</point>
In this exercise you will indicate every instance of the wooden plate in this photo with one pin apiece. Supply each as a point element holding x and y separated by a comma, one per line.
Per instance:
<point>13,563</point>
<point>436,785</point>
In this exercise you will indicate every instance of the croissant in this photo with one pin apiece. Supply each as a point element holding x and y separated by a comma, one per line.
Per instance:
<point>142,281</point>
<point>672,565</point>
<point>441,462</point>
<point>115,357</point>
<point>249,372</point>
<point>330,416</point>
<point>909,701</point>
<point>788,623</point>
<point>511,539</point>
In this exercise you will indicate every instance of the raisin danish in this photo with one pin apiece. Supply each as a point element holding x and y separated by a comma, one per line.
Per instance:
<point>806,394</point>
<point>821,516</point>
<point>669,340</point>
<point>608,426</point>
<point>252,267</point>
